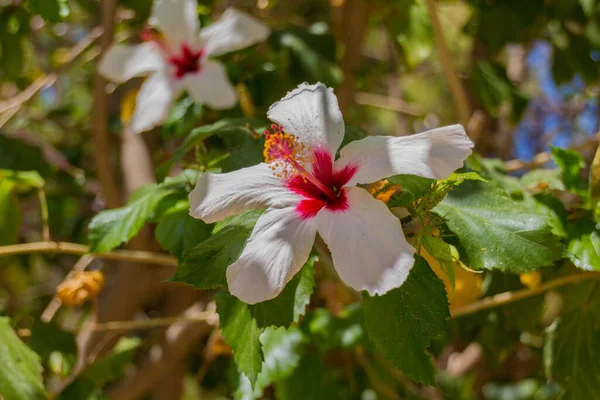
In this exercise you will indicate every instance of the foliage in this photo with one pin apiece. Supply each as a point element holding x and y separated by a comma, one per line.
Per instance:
<point>507,255</point>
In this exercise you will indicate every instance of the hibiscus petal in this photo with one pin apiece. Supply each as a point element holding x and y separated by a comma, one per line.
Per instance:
<point>311,113</point>
<point>153,102</point>
<point>211,86</point>
<point>218,196</point>
<point>367,244</point>
<point>432,154</point>
<point>123,62</point>
<point>176,19</point>
<point>235,30</point>
<point>279,246</point>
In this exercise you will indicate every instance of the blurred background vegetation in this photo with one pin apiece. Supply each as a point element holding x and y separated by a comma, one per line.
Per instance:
<point>520,75</point>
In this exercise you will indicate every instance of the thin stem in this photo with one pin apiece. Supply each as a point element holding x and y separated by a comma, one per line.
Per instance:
<point>44,214</point>
<point>458,92</point>
<point>153,322</point>
<point>79,249</point>
<point>510,297</point>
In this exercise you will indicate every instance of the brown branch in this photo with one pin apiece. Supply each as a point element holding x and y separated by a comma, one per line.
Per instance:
<point>100,133</point>
<point>179,339</point>
<point>147,257</point>
<point>510,297</point>
<point>202,316</point>
<point>458,92</point>
<point>355,21</point>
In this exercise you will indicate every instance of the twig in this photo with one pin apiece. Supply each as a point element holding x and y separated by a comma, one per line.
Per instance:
<point>54,305</point>
<point>542,158</point>
<point>47,80</point>
<point>509,297</point>
<point>387,103</point>
<point>44,214</point>
<point>458,92</point>
<point>202,316</point>
<point>79,249</point>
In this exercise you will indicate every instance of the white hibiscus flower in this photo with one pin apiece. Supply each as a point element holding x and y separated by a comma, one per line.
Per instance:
<point>180,59</point>
<point>305,191</point>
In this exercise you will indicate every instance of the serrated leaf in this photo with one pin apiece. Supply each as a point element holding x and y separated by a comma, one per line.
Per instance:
<point>402,322</point>
<point>291,302</point>
<point>570,163</point>
<point>242,333</point>
<point>442,252</point>
<point>281,348</point>
<point>204,266</point>
<point>111,228</point>
<point>496,231</point>
<point>571,354</point>
<point>20,367</point>
<point>583,248</point>
<point>178,232</point>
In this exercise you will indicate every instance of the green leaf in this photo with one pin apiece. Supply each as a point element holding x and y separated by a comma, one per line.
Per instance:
<point>204,266</point>
<point>111,228</point>
<point>571,354</point>
<point>242,333</point>
<point>83,389</point>
<point>442,252</point>
<point>498,232</point>
<point>12,61</point>
<point>344,331</point>
<point>226,126</point>
<point>112,366</point>
<point>49,337</point>
<point>178,232</point>
<point>19,156</point>
<point>10,213</point>
<point>491,86</point>
<point>583,248</point>
<point>402,322</point>
<point>308,381</point>
<point>20,368</point>
<point>594,186</point>
<point>183,116</point>
<point>570,163</point>
<point>291,302</point>
<point>47,9</point>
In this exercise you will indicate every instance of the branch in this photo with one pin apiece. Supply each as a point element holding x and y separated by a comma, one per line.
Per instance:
<point>510,297</point>
<point>458,92</point>
<point>147,257</point>
<point>542,158</point>
<point>202,316</point>
<point>100,134</point>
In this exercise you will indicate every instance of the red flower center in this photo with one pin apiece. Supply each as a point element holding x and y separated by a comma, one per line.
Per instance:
<point>315,198</point>
<point>324,187</point>
<point>186,62</point>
